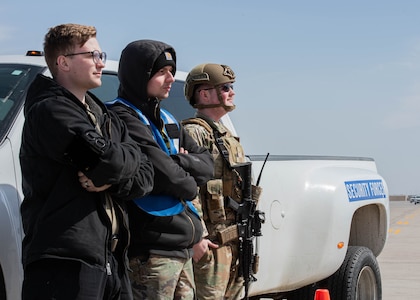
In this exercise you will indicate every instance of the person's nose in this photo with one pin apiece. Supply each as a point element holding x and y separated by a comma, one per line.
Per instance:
<point>100,64</point>
<point>170,77</point>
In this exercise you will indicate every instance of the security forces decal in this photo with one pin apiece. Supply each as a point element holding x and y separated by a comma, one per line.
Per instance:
<point>365,190</point>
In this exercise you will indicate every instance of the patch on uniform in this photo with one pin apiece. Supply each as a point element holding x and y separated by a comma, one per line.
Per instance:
<point>168,56</point>
<point>227,71</point>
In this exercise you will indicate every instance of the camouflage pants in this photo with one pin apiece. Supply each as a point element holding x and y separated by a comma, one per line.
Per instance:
<point>216,276</point>
<point>162,278</point>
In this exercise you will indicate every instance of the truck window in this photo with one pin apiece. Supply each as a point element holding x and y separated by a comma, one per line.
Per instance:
<point>109,89</point>
<point>176,103</point>
<point>14,83</point>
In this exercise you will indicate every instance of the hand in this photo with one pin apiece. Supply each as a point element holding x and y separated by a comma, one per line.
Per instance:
<point>182,150</point>
<point>88,185</point>
<point>202,247</point>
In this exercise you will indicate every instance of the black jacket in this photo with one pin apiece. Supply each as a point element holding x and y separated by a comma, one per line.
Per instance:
<point>60,218</point>
<point>177,175</point>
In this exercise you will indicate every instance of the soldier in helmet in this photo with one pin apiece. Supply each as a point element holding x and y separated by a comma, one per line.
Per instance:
<point>209,89</point>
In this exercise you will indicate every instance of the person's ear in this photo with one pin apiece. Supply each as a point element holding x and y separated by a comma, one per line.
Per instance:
<point>205,97</point>
<point>62,62</point>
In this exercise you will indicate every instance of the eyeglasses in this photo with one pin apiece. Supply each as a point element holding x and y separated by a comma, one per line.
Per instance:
<point>224,88</point>
<point>96,55</point>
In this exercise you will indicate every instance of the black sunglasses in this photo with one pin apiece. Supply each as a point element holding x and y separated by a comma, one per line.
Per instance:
<point>226,87</point>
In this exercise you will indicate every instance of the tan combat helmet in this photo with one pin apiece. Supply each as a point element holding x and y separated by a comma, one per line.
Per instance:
<point>212,74</point>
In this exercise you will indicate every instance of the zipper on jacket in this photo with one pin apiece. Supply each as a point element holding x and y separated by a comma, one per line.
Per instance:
<point>107,239</point>
<point>108,269</point>
<point>107,257</point>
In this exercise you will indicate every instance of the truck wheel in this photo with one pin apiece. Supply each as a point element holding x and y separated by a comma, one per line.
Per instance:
<point>2,286</point>
<point>358,277</point>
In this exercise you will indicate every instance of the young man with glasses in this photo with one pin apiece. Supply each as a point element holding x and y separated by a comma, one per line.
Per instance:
<point>209,89</point>
<point>79,167</point>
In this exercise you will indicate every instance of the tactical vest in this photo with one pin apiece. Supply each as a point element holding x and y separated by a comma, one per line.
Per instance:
<point>225,148</point>
<point>160,205</point>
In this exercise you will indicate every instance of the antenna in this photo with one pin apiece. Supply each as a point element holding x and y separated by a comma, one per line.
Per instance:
<point>262,168</point>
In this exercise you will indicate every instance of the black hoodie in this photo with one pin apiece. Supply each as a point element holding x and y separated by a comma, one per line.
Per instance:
<point>60,218</point>
<point>176,175</point>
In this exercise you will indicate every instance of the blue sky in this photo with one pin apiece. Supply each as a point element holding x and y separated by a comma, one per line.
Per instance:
<point>313,77</point>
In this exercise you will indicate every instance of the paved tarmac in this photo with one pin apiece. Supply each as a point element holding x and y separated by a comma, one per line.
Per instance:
<point>399,262</point>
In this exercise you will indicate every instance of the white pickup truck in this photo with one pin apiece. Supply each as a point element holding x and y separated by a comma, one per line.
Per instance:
<point>326,218</point>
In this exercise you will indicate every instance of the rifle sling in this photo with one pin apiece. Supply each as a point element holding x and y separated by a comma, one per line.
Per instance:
<point>221,147</point>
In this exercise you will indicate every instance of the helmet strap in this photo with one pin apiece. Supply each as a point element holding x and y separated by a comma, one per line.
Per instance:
<point>227,108</point>
<point>220,104</point>
<point>206,105</point>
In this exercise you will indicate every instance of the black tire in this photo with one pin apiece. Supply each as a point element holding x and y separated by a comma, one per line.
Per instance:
<point>358,277</point>
<point>304,293</point>
<point>2,286</point>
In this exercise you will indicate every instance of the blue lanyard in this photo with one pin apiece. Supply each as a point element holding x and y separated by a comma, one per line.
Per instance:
<point>159,205</point>
<point>157,135</point>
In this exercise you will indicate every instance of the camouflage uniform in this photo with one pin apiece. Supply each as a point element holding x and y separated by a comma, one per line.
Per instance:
<point>157,277</point>
<point>216,272</point>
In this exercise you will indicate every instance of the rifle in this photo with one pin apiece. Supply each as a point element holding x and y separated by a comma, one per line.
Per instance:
<point>249,221</point>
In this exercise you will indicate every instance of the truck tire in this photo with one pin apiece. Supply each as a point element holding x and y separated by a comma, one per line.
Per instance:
<point>358,277</point>
<point>2,286</point>
<point>306,292</point>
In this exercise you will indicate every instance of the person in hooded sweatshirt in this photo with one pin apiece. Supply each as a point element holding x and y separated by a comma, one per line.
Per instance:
<point>79,167</point>
<point>164,225</point>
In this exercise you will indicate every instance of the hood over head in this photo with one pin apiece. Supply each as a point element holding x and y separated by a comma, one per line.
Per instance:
<point>137,62</point>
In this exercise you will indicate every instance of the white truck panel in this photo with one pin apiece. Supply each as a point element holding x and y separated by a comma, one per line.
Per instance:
<point>302,197</point>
